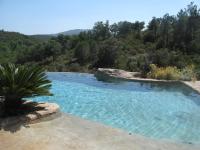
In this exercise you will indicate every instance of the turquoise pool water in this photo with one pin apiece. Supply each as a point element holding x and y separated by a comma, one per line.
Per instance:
<point>161,111</point>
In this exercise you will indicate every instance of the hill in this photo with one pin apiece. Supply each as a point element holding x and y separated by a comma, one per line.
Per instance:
<point>12,43</point>
<point>72,32</point>
<point>66,33</point>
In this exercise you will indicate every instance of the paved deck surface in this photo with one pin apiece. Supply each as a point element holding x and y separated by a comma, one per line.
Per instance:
<point>194,85</point>
<point>72,133</point>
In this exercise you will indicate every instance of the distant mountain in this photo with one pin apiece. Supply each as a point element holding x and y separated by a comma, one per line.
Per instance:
<point>48,36</point>
<point>72,32</point>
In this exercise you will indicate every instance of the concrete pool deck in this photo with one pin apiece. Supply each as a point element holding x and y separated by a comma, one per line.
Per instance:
<point>194,85</point>
<point>67,132</point>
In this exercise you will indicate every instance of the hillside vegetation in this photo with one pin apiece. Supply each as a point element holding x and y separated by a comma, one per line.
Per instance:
<point>167,41</point>
<point>49,36</point>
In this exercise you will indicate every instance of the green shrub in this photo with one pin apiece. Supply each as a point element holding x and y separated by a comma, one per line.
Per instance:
<point>75,67</point>
<point>188,73</point>
<point>164,73</point>
<point>197,74</point>
<point>172,73</point>
<point>18,82</point>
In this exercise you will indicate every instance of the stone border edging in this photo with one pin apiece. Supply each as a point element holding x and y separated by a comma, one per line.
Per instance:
<point>46,109</point>
<point>193,85</point>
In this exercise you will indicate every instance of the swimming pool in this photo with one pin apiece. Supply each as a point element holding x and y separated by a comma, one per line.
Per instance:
<point>161,111</point>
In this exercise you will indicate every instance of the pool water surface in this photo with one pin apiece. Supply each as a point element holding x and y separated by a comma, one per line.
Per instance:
<point>160,111</point>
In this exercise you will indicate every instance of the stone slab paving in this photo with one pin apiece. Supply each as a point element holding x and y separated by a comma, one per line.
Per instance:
<point>41,110</point>
<point>73,133</point>
<point>194,85</point>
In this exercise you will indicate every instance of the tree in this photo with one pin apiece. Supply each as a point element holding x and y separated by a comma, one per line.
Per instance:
<point>53,49</point>
<point>153,30</point>
<point>124,28</point>
<point>107,54</point>
<point>114,29</point>
<point>180,30</point>
<point>82,52</point>
<point>193,26</point>
<point>137,27</point>
<point>63,41</point>
<point>94,49</point>
<point>101,30</point>
<point>166,31</point>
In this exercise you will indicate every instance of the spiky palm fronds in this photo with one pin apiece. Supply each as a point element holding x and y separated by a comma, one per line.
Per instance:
<point>17,82</point>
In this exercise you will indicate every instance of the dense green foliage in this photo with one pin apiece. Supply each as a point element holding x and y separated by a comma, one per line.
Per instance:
<point>18,82</point>
<point>166,41</point>
<point>12,44</point>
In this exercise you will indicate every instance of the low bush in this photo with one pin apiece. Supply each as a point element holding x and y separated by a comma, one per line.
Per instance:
<point>172,73</point>
<point>165,73</point>
<point>188,73</point>
<point>75,67</point>
<point>198,74</point>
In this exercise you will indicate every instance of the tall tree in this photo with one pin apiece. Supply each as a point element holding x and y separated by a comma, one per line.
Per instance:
<point>153,29</point>
<point>101,30</point>
<point>82,52</point>
<point>166,31</point>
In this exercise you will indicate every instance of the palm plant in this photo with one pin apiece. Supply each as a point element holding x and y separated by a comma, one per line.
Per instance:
<point>19,82</point>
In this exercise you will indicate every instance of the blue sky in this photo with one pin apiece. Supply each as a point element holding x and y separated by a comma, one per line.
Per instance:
<point>52,16</point>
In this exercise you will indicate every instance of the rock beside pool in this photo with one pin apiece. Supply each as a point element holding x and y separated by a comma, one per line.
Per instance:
<point>126,75</point>
<point>36,112</point>
<point>117,73</point>
<point>106,73</point>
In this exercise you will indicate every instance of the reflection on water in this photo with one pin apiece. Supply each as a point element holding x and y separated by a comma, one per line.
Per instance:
<point>113,83</point>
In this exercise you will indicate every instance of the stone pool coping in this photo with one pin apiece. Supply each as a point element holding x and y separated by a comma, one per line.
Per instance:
<point>194,85</point>
<point>134,76</point>
<point>42,110</point>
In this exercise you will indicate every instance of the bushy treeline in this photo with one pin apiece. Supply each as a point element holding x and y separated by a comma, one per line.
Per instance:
<point>166,41</point>
<point>12,44</point>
